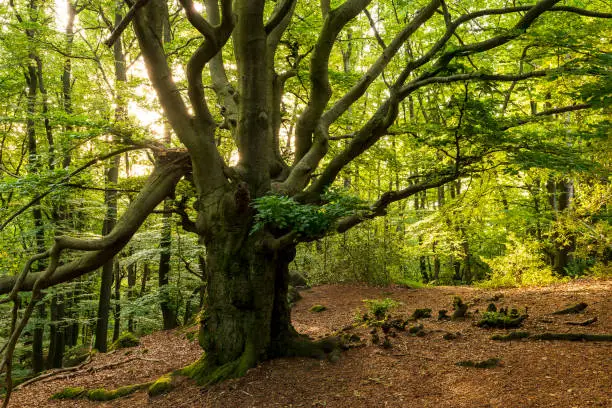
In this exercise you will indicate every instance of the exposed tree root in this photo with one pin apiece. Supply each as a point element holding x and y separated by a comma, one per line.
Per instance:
<point>489,363</point>
<point>572,337</point>
<point>584,323</point>
<point>577,308</point>
<point>517,335</point>
<point>54,373</point>
<point>204,372</point>
<point>98,394</point>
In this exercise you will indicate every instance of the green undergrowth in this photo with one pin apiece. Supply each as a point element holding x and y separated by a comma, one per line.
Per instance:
<point>380,307</point>
<point>407,283</point>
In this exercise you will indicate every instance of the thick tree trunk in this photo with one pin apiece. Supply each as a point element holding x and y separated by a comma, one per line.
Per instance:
<point>247,316</point>
<point>131,281</point>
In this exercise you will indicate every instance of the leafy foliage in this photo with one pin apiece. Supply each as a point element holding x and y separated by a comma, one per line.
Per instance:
<point>380,307</point>
<point>283,213</point>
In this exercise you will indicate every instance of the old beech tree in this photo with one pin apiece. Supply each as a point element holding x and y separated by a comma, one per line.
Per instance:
<point>247,318</point>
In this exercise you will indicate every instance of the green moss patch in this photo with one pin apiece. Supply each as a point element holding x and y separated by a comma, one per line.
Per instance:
<point>318,308</point>
<point>126,340</point>
<point>161,386</point>
<point>69,393</point>
<point>501,320</point>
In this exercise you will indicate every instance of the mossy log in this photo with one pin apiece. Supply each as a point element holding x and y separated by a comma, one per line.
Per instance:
<point>500,320</point>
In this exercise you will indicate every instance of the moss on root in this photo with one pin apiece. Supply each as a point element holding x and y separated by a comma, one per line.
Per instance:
<point>318,308</point>
<point>69,393</point>
<point>515,335</point>
<point>161,386</point>
<point>98,394</point>
<point>204,372</point>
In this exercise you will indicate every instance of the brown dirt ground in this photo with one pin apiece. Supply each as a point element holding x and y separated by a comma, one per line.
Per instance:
<point>415,372</point>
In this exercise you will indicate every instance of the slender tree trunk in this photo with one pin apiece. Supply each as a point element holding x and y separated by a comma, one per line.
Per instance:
<point>57,340</point>
<point>117,298</point>
<point>560,194</point>
<point>165,302</point>
<point>110,196</point>
<point>34,166</point>
<point>38,362</point>
<point>169,312</point>
<point>106,283</point>
<point>146,272</point>
<point>131,281</point>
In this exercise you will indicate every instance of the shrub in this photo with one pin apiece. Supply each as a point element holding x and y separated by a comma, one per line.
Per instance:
<point>521,265</point>
<point>380,307</point>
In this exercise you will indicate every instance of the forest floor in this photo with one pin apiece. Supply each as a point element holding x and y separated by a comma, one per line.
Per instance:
<point>414,372</point>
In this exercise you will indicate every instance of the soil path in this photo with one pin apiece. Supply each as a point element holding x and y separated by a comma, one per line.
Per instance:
<point>414,372</point>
